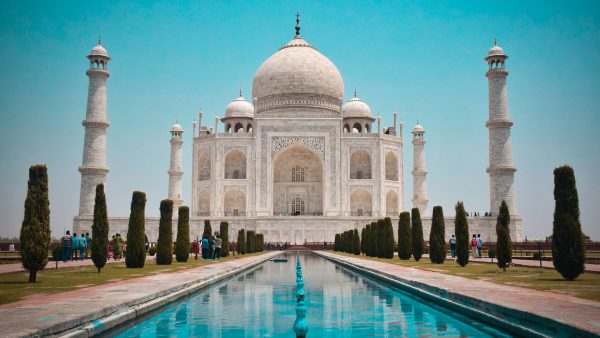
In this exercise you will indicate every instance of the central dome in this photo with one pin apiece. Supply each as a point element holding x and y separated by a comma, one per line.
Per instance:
<point>298,75</point>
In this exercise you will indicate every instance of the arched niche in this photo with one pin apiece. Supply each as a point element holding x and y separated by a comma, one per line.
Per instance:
<point>360,165</point>
<point>297,182</point>
<point>361,203</point>
<point>391,166</point>
<point>234,202</point>
<point>235,165</point>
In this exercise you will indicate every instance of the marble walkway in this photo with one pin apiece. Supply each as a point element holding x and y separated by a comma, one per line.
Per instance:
<point>98,307</point>
<point>524,304</point>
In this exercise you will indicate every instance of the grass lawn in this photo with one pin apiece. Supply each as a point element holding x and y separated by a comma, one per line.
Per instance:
<point>14,286</point>
<point>586,286</point>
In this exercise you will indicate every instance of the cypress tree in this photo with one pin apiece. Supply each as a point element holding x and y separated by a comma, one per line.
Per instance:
<point>417,234</point>
<point>437,240</point>
<point>224,232</point>
<point>377,239</point>
<point>461,227</point>
<point>250,241</point>
<point>135,256</point>
<point>35,229</point>
<point>503,242</point>
<point>404,236</point>
<point>568,251</point>
<point>373,239</point>
<point>241,242</point>
<point>261,242</point>
<point>182,244</point>
<point>356,242</point>
<point>164,247</point>
<point>336,243</point>
<point>207,229</point>
<point>100,229</point>
<point>363,239</point>
<point>389,238</point>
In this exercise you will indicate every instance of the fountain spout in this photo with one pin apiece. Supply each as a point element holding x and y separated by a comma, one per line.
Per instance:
<point>301,324</point>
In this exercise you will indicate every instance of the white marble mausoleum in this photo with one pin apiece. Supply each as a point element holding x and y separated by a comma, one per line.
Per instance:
<point>296,161</point>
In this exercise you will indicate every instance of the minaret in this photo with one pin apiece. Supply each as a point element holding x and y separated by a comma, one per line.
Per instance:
<point>93,167</point>
<point>501,169</point>
<point>175,172</point>
<point>419,172</point>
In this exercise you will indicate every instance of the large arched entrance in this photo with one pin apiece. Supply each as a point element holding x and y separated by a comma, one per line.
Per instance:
<point>297,182</point>
<point>235,203</point>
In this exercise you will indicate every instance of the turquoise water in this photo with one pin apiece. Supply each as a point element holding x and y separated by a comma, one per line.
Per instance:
<point>341,303</point>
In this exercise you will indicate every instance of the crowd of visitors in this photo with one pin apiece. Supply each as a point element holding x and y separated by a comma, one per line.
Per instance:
<point>76,248</point>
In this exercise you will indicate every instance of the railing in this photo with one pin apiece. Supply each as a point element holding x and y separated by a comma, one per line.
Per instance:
<point>203,213</point>
<point>239,214</point>
<point>289,214</point>
<point>361,214</point>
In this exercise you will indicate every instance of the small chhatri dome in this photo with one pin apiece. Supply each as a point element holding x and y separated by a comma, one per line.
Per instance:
<point>418,128</point>
<point>496,50</point>
<point>99,50</point>
<point>239,108</point>
<point>356,108</point>
<point>176,127</point>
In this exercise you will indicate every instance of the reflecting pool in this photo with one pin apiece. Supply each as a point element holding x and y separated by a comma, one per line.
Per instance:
<point>341,303</point>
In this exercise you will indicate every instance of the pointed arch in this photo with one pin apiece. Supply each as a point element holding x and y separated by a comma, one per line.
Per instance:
<point>360,165</point>
<point>361,203</point>
<point>391,203</point>
<point>391,166</point>
<point>235,165</point>
<point>204,166</point>
<point>234,202</point>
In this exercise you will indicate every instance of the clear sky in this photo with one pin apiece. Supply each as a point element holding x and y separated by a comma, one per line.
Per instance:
<point>423,59</point>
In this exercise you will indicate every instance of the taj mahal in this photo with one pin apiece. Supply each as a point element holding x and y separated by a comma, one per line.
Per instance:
<point>296,161</point>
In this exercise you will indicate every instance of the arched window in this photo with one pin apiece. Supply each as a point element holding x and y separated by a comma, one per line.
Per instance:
<point>360,203</point>
<point>249,128</point>
<point>239,127</point>
<point>235,165</point>
<point>297,174</point>
<point>204,203</point>
<point>346,128</point>
<point>391,203</point>
<point>297,206</point>
<point>360,165</point>
<point>367,128</point>
<point>357,128</point>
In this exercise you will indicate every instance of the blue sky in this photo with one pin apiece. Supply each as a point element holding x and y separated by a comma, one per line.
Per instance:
<point>423,59</point>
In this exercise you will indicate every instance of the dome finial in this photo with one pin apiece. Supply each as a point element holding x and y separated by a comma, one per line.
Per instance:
<point>240,91</point>
<point>297,25</point>
<point>495,41</point>
<point>354,92</point>
<point>99,40</point>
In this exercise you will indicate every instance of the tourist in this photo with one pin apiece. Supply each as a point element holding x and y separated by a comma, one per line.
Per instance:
<point>88,240</point>
<point>479,246</point>
<point>474,246</point>
<point>118,248</point>
<point>82,247</point>
<point>211,247</point>
<point>11,247</point>
<point>66,244</point>
<point>74,246</point>
<point>453,247</point>
<point>218,242</point>
<point>111,248</point>
<point>204,247</point>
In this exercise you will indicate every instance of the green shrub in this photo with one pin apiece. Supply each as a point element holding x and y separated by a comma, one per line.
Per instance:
<point>437,241</point>
<point>57,253</point>
<point>417,234</point>
<point>135,256</point>
<point>182,244</point>
<point>462,235</point>
<point>492,253</point>
<point>568,251</point>
<point>336,243</point>
<point>241,242</point>
<point>388,239</point>
<point>224,232</point>
<point>164,254</point>
<point>152,250</point>
<point>35,229</point>
<point>503,241</point>
<point>100,229</point>
<point>404,236</point>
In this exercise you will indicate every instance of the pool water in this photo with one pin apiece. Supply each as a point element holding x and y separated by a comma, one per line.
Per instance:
<point>341,303</point>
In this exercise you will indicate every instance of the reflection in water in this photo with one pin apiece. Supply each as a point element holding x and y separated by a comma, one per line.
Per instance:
<point>341,303</point>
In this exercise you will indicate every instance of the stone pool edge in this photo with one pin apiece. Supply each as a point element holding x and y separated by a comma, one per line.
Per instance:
<point>142,306</point>
<point>515,320</point>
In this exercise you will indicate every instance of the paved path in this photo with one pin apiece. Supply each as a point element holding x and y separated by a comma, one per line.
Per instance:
<point>591,268</point>
<point>103,305</point>
<point>521,302</point>
<point>18,267</point>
